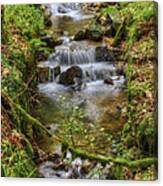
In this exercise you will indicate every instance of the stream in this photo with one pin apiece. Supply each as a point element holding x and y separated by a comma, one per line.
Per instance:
<point>81,75</point>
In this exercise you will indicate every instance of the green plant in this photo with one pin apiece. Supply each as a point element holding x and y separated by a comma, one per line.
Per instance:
<point>15,161</point>
<point>22,25</point>
<point>39,47</point>
<point>71,124</point>
<point>25,19</point>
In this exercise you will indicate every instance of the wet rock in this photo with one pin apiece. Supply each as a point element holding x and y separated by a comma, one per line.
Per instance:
<point>67,77</point>
<point>108,81</point>
<point>76,166</point>
<point>104,20</point>
<point>41,56</point>
<point>62,9</point>
<point>57,70</point>
<point>48,22</point>
<point>54,57</point>
<point>60,166</point>
<point>43,74</point>
<point>80,35</point>
<point>64,79</point>
<point>68,155</point>
<point>58,150</point>
<point>121,69</point>
<point>55,158</point>
<point>66,18</point>
<point>47,18</point>
<point>50,41</point>
<point>86,166</point>
<point>103,54</point>
<point>77,162</point>
<point>106,24</point>
<point>63,174</point>
<point>78,84</point>
<point>95,172</point>
<point>117,53</point>
<point>54,72</point>
<point>94,35</point>
<point>46,169</point>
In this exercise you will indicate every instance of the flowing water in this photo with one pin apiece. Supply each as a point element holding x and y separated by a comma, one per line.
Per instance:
<point>69,17</point>
<point>102,103</point>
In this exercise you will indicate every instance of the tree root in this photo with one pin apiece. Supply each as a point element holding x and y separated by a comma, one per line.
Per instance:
<point>27,116</point>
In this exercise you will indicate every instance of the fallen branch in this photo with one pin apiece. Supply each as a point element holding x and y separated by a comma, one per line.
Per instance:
<point>142,163</point>
<point>129,163</point>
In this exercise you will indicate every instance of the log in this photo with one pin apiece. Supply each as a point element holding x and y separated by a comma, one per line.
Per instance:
<point>143,163</point>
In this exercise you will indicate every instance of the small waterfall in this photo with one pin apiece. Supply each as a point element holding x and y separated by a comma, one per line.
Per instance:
<point>73,55</point>
<point>51,74</point>
<point>65,9</point>
<point>98,71</point>
<point>82,55</point>
<point>65,39</point>
<point>58,8</point>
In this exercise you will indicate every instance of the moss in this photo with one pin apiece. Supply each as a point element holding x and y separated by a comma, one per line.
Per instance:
<point>22,24</point>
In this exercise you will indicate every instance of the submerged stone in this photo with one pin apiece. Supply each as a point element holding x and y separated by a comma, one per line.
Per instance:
<point>109,81</point>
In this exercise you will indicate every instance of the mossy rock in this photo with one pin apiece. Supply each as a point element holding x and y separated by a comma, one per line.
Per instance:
<point>50,41</point>
<point>94,35</point>
<point>80,35</point>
